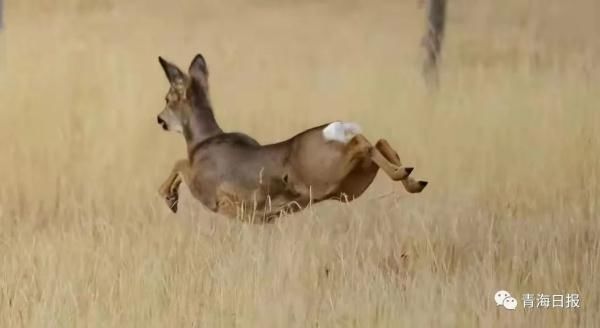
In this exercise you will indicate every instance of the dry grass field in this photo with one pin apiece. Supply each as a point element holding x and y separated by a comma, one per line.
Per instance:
<point>510,145</point>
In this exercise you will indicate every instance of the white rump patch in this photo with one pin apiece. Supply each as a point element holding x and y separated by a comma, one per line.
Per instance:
<point>341,131</point>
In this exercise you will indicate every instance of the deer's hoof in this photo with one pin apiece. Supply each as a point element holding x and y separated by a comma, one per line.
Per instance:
<point>418,187</point>
<point>402,173</point>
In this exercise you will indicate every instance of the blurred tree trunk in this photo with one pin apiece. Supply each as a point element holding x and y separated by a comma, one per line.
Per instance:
<point>432,41</point>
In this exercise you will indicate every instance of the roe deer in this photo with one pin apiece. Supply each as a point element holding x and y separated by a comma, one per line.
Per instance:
<point>232,174</point>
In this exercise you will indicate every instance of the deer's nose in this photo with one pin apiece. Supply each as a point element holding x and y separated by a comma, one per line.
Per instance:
<point>161,122</point>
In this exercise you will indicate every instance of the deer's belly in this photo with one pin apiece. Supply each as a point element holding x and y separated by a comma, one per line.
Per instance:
<point>258,204</point>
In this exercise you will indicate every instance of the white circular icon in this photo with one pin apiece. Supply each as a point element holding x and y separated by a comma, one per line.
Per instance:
<point>510,303</point>
<point>500,296</point>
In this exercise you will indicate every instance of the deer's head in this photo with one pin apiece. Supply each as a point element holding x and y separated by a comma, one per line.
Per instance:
<point>187,93</point>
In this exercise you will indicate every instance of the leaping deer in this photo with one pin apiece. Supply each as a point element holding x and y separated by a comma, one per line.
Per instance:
<point>232,174</point>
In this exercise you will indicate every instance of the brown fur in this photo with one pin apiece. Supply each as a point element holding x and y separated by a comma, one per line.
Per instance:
<point>232,174</point>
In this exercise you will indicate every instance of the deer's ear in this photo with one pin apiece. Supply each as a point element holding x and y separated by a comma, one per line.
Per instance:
<point>173,73</point>
<point>198,72</point>
<point>198,67</point>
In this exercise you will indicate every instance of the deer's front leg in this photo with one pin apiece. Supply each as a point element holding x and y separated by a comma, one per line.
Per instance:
<point>169,189</point>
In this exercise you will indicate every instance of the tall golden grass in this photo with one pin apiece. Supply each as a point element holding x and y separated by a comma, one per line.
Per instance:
<point>510,144</point>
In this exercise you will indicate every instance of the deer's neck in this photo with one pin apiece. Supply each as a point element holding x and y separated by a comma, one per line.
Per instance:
<point>201,126</point>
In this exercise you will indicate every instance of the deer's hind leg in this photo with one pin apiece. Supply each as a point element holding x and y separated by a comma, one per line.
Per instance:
<point>410,184</point>
<point>357,181</point>
<point>360,145</point>
<point>364,161</point>
<point>169,189</point>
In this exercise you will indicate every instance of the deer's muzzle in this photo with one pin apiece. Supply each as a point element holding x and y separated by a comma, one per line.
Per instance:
<point>162,123</point>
